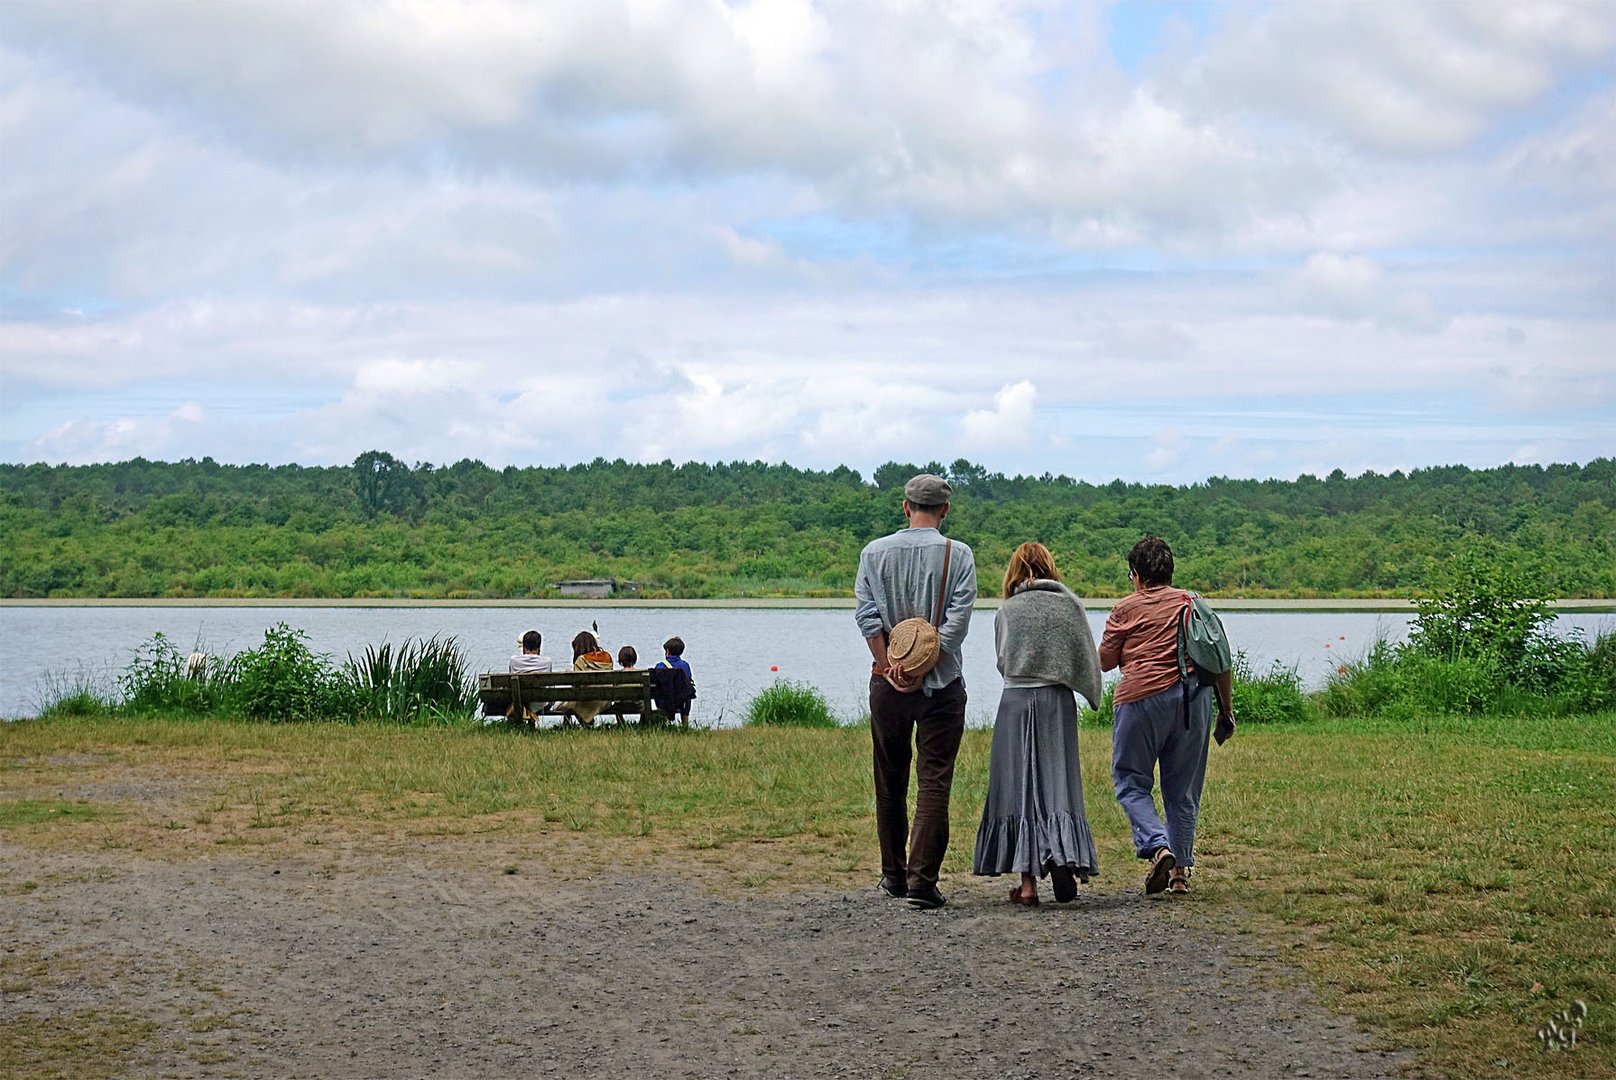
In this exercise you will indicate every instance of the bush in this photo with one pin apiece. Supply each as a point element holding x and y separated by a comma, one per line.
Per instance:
<point>1573,675</point>
<point>1462,686</point>
<point>1480,644</point>
<point>1365,686</point>
<point>159,679</point>
<point>789,704</point>
<point>1602,667</point>
<point>1274,697</point>
<point>1406,682</point>
<point>419,680</point>
<point>1482,609</point>
<point>1554,677</point>
<point>284,680</point>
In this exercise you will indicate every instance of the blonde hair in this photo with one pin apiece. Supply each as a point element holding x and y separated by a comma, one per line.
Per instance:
<point>1031,560</point>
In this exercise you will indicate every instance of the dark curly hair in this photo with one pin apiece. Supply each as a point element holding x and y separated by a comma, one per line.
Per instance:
<point>1152,560</point>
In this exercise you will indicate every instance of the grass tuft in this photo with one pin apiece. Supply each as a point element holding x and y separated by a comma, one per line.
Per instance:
<point>44,811</point>
<point>789,704</point>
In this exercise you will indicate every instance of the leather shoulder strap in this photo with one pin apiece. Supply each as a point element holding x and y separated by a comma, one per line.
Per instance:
<point>942,590</point>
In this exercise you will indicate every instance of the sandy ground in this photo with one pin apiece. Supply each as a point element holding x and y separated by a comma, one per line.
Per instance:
<point>431,960</point>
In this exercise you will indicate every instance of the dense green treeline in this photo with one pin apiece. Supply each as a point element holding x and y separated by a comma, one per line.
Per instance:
<point>382,528</point>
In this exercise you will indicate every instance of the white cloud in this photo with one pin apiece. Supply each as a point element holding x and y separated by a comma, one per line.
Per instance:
<point>1010,421</point>
<point>1167,448</point>
<point>1546,452</point>
<point>83,441</point>
<point>963,130</point>
<point>1576,156</point>
<point>402,378</point>
<point>715,416</point>
<point>1404,78</point>
<point>1147,341</point>
<point>747,251</point>
<point>869,431</point>
<point>1354,287</point>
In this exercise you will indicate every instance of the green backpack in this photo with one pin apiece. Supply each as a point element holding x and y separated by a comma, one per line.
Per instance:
<point>1202,644</point>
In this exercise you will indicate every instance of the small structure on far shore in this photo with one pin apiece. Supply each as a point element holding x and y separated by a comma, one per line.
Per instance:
<point>588,588</point>
<point>597,588</point>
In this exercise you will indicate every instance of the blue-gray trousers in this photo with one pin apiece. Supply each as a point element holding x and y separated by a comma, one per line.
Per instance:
<point>1150,732</point>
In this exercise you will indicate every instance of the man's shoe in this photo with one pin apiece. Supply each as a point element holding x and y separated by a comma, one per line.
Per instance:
<point>926,898</point>
<point>1179,880</point>
<point>1161,865</point>
<point>894,887</point>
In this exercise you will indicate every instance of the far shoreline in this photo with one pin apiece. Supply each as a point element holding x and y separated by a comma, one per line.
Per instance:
<point>1231,603</point>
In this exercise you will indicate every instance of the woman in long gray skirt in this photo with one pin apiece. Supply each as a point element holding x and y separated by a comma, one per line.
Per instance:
<point>1033,822</point>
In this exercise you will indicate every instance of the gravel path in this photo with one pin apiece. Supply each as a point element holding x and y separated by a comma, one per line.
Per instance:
<point>435,963</point>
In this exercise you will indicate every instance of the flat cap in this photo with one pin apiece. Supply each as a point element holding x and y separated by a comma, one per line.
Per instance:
<point>927,490</point>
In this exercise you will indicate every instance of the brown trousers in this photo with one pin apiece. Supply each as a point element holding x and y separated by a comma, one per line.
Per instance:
<point>936,724</point>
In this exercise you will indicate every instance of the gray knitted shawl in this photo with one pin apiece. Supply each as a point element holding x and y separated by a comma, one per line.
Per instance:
<point>1042,638</point>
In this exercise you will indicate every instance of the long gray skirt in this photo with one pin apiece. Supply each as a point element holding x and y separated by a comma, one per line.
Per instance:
<point>1034,810</point>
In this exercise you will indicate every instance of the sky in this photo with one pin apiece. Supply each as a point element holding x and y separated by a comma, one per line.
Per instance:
<point>1157,241</point>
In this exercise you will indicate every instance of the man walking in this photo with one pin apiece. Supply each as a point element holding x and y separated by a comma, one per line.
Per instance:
<point>916,573</point>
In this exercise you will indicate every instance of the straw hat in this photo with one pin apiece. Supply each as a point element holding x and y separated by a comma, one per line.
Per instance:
<point>913,647</point>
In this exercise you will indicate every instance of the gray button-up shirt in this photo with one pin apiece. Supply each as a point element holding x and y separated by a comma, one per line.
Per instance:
<point>899,577</point>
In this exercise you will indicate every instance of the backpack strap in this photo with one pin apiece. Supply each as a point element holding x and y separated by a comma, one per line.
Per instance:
<point>942,590</point>
<point>1183,654</point>
<point>1183,635</point>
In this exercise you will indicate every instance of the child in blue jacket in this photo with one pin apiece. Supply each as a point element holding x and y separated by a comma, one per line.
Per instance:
<point>673,687</point>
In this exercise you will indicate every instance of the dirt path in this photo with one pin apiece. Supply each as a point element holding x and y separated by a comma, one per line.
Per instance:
<point>436,963</point>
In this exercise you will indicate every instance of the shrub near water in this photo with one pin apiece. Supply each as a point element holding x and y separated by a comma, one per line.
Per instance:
<point>1491,622</point>
<point>1480,643</point>
<point>789,704</point>
<point>157,680</point>
<point>283,679</point>
<point>1274,697</point>
<point>418,680</point>
<point>1102,716</point>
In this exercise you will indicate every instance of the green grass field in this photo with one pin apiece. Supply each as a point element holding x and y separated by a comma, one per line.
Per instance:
<point>1451,885</point>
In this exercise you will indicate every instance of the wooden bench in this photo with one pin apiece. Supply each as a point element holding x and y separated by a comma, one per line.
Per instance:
<point>527,697</point>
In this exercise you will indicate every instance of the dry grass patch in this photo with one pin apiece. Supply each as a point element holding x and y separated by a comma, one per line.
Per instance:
<point>84,1045</point>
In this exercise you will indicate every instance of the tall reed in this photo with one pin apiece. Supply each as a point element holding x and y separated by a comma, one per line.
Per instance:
<point>419,680</point>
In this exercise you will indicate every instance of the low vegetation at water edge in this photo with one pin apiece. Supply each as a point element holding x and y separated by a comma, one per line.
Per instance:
<point>416,681</point>
<point>1480,644</point>
<point>790,704</point>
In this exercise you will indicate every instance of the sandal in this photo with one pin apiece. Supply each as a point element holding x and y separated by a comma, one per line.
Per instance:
<point>1161,865</point>
<point>1022,901</point>
<point>1178,880</point>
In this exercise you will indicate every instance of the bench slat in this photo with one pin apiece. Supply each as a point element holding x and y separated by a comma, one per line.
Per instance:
<point>621,691</point>
<point>637,677</point>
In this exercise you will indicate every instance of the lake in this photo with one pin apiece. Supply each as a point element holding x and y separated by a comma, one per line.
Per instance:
<point>734,652</point>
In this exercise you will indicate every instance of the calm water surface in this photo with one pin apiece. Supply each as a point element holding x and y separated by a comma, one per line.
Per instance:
<point>733,652</point>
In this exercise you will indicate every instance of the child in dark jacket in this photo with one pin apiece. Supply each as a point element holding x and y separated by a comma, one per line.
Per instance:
<point>672,685</point>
